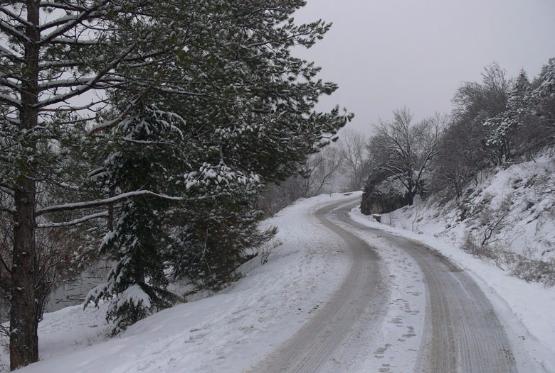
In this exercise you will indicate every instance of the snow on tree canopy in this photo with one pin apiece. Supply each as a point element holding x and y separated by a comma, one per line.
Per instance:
<point>220,178</point>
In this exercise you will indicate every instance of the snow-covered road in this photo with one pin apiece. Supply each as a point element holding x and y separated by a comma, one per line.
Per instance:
<point>340,294</point>
<point>460,331</point>
<point>361,297</point>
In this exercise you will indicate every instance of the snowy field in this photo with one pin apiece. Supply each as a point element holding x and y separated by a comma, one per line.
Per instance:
<point>525,309</point>
<point>227,332</point>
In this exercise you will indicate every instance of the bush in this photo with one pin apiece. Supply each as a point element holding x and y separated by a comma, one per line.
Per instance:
<point>530,270</point>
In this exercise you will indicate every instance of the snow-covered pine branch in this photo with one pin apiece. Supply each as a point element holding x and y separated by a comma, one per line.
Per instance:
<point>67,23</point>
<point>15,17</point>
<point>11,55</point>
<point>121,197</point>
<point>78,82</point>
<point>13,32</point>
<point>90,84</point>
<point>72,7</point>
<point>84,219</point>
<point>10,100</point>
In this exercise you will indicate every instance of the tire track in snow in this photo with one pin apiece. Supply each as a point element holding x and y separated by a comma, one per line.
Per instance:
<point>462,331</point>
<point>363,292</point>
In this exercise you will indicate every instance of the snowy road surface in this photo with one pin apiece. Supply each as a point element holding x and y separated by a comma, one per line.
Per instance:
<point>339,295</point>
<point>362,293</point>
<point>460,333</point>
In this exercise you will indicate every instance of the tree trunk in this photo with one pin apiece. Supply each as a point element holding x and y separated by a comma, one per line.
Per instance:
<point>24,307</point>
<point>410,198</point>
<point>24,312</point>
<point>411,190</point>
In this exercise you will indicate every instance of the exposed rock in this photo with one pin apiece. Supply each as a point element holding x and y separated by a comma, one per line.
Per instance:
<point>382,196</point>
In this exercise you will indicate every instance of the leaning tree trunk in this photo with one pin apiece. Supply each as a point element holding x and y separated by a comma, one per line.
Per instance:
<point>24,312</point>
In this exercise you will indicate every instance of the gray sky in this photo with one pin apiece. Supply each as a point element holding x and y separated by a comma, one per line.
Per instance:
<point>385,54</point>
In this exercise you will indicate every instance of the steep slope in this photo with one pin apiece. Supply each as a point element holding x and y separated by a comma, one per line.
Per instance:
<point>520,197</point>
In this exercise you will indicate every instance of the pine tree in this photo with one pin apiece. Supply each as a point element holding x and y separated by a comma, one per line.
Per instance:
<point>503,127</point>
<point>253,123</point>
<point>56,55</point>
<point>148,154</point>
<point>541,99</point>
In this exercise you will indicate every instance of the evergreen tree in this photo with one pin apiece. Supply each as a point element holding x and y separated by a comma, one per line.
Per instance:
<point>541,99</point>
<point>147,154</point>
<point>502,128</point>
<point>252,123</point>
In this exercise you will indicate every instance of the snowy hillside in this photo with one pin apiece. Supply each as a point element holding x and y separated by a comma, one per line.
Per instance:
<point>229,331</point>
<point>521,198</point>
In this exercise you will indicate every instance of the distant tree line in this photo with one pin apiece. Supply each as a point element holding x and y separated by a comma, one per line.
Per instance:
<point>340,167</point>
<point>495,122</point>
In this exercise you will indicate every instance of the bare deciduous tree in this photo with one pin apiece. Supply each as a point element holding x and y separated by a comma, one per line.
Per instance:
<point>320,171</point>
<point>404,149</point>
<point>355,161</point>
<point>320,174</point>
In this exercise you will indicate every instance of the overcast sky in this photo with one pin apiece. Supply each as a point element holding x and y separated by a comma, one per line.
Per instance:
<point>385,54</point>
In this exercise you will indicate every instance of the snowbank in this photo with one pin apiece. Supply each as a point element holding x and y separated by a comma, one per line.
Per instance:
<point>229,331</point>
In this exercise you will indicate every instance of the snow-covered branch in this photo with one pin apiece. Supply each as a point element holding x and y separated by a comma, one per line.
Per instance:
<point>8,29</point>
<point>81,42</point>
<point>71,23</point>
<point>5,52</point>
<point>10,100</point>
<point>63,6</point>
<point>76,82</point>
<point>84,219</point>
<point>89,85</point>
<point>15,17</point>
<point>108,201</point>
<point>7,83</point>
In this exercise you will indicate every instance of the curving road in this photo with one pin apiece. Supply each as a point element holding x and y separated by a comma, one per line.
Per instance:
<point>461,333</point>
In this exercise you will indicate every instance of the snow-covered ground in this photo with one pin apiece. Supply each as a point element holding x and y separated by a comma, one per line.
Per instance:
<point>524,193</point>
<point>393,344</point>
<point>227,332</point>
<point>525,309</point>
<point>235,329</point>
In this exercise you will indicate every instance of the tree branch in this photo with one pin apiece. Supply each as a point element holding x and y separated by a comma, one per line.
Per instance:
<point>107,201</point>
<point>89,85</point>
<point>60,31</point>
<point>10,100</point>
<point>10,54</point>
<point>57,5</point>
<point>15,17</point>
<point>8,29</point>
<point>100,215</point>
